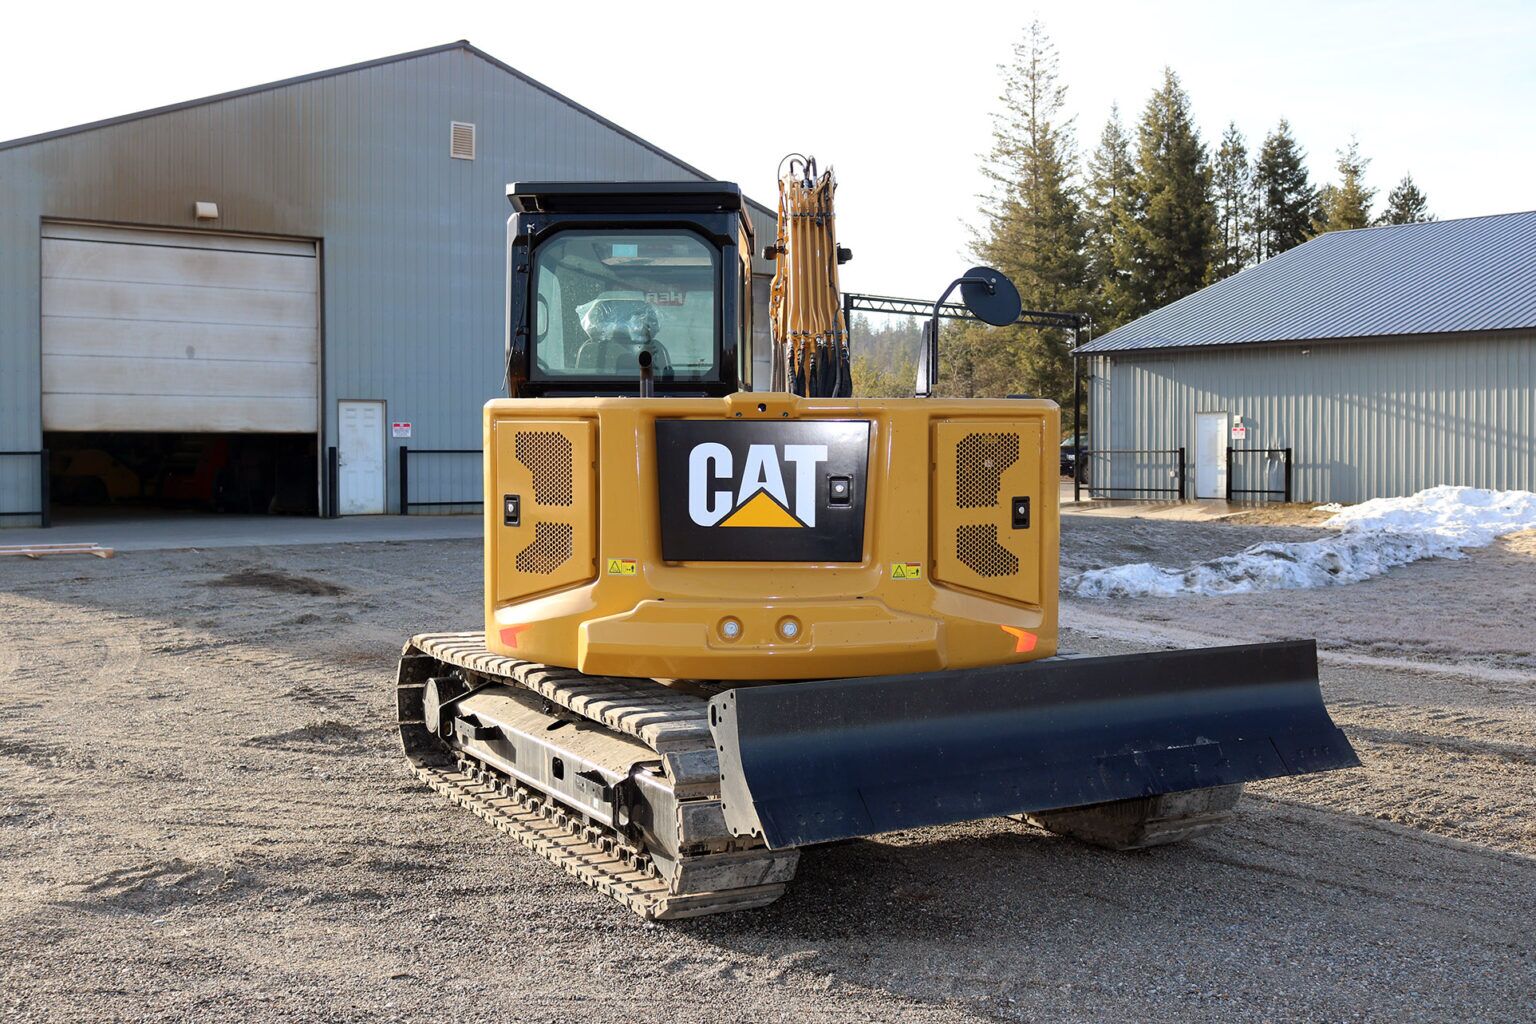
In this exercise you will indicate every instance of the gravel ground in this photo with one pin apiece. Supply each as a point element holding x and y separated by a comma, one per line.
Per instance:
<point>203,815</point>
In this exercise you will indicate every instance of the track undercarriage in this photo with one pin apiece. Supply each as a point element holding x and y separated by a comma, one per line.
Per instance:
<point>619,780</point>
<point>614,780</point>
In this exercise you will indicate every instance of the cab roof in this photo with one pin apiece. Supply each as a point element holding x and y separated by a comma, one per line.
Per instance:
<point>626,196</point>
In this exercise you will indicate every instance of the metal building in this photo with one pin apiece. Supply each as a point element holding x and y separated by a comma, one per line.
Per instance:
<point>198,302</point>
<point>1361,364</point>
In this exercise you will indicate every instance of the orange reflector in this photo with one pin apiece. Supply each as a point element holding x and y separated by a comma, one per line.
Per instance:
<point>1026,639</point>
<point>509,635</point>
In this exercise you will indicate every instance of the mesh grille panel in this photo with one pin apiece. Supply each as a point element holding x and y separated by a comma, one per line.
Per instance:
<point>980,460</point>
<point>977,549</point>
<point>550,548</point>
<point>547,455</point>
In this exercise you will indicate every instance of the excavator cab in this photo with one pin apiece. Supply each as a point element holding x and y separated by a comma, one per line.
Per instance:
<point>600,274</point>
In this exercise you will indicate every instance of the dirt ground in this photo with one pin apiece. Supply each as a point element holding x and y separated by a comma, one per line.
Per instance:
<point>203,816</point>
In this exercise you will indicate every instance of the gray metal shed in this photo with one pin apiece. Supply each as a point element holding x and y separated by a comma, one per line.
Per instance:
<point>1386,360</point>
<point>285,268</point>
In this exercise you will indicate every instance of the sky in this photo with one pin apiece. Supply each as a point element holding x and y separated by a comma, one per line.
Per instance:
<point>897,97</point>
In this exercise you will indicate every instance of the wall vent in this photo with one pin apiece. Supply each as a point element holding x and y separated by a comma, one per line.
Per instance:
<point>461,142</point>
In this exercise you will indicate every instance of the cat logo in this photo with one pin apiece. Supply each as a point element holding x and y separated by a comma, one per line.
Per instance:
<point>761,491</point>
<point>716,498</point>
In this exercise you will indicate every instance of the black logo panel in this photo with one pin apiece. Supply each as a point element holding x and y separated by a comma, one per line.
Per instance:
<point>762,492</point>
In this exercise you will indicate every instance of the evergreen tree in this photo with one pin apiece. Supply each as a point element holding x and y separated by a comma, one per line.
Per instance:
<point>1286,200</point>
<point>1165,229</point>
<point>884,356</point>
<point>1347,205</point>
<point>1109,177</point>
<point>1232,185</point>
<point>1406,204</point>
<point>1035,231</point>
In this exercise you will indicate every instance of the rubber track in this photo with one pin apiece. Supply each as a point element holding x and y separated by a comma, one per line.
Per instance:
<point>662,718</point>
<point>595,859</point>
<point>641,708</point>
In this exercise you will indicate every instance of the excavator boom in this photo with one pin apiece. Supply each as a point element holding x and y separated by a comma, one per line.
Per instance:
<point>810,337</point>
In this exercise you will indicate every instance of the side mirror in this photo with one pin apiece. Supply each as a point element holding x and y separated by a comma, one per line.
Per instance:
<point>990,296</point>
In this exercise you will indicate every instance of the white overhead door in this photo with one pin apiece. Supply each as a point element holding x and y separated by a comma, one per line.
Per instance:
<point>168,331</point>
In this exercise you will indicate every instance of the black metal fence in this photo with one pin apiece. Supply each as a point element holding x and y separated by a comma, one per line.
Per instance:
<point>406,454</point>
<point>1283,493</point>
<point>1101,467</point>
<point>41,455</point>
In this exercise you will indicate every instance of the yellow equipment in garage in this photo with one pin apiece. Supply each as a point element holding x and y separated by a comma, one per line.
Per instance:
<point>724,624</point>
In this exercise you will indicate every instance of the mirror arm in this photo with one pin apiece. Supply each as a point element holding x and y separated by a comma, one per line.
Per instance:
<point>933,329</point>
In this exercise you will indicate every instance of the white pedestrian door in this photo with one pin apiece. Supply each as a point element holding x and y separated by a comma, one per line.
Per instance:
<point>1210,455</point>
<point>360,429</point>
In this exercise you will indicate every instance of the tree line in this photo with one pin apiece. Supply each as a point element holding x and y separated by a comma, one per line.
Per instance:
<point>1148,216</point>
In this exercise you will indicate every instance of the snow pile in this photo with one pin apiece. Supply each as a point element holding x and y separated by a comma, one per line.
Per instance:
<point>1373,537</point>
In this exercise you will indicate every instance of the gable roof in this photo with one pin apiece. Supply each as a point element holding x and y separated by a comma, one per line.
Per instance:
<point>462,44</point>
<point>1444,277</point>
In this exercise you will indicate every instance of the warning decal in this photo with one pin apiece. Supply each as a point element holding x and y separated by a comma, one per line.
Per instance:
<point>906,570</point>
<point>622,567</point>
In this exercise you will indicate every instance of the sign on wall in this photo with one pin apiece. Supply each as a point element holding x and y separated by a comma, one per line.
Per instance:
<point>400,429</point>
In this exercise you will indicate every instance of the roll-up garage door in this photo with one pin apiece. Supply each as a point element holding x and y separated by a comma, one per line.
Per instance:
<point>166,331</point>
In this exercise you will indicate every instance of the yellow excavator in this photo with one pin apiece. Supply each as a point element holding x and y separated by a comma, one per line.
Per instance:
<point>724,624</point>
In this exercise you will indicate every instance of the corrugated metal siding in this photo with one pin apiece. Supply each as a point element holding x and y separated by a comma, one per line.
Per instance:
<point>412,241</point>
<point>1365,419</point>
<point>1476,274</point>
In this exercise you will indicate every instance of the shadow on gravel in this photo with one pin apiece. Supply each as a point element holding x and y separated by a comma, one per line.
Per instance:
<point>1286,900</point>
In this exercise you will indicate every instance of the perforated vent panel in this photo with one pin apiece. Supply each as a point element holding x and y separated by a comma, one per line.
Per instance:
<point>547,456</point>
<point>979,467</point>
<point>980,461</point>
<point>977,548</point>
<point>548,466</point>
<point>550,548</point>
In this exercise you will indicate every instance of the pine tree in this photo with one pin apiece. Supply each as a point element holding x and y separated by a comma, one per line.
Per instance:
<point>1109,177</point>
<point>1286,200</point>
<point>1035,232</point>
<point>1406,204</point>
<point>1165,230</point>
<point>884,356</point>
<point>1232,185</point>
<point>1347,205</point>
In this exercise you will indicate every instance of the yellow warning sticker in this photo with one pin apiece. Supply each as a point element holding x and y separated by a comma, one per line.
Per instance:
<point>622,567</point>
<point>906,570</point>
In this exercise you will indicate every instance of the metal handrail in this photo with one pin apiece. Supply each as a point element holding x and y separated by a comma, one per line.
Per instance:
<point>406,504</point>
<point>1177,491</point>
<point>1284,494</point>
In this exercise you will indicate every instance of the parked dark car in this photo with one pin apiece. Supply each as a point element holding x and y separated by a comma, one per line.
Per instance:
<point>1069,459</point>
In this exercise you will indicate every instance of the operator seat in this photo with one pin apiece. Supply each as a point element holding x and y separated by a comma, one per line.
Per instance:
<point>617,331</point>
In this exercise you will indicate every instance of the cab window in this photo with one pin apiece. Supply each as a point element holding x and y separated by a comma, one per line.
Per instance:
<point>603,297</point>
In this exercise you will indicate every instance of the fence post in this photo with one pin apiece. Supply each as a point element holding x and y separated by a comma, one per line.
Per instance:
<point>1287,476</point>
<point>405,480</point>
<point>332,484</point>
<point>1229,474</point>
<point>1181,474</point>
<point>1077,419</point>
<point>44,509</point>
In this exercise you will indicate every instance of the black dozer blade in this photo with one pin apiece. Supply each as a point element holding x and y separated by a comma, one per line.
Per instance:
<point>833,759</point>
